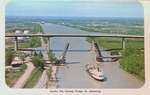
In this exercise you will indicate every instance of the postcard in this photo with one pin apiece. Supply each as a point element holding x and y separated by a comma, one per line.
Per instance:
<point>75,47</point>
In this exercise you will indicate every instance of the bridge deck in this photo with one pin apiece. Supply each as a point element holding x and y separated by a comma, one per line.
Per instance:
<point>75,35</point>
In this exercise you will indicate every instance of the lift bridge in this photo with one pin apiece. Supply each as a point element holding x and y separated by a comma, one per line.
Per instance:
<point>100,57</point>
<point>62,59</point>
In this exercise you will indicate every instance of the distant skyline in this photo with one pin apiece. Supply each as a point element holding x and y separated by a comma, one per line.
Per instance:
<point>78,8</point>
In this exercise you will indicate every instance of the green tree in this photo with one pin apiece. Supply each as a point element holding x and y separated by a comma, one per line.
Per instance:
<point>35,54</point>
<point>40,54</point>
<point>8,56</point>
<point>38,62</point>
<point>51,56</point>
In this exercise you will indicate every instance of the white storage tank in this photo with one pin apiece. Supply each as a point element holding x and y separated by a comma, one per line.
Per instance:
<point>18,32</point>
<point>26,31</point>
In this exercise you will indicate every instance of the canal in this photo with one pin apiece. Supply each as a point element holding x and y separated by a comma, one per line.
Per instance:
<point>73,74</point>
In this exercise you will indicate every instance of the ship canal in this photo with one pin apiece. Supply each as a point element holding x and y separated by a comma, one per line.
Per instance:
<point>73,74</point>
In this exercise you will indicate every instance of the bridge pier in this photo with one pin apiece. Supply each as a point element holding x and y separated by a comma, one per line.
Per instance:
<point>48,43</point>
<point>16,44</point>
<point>123,43</point>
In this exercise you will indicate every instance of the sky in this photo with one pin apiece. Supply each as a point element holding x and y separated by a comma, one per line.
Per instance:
<point>75,8</point>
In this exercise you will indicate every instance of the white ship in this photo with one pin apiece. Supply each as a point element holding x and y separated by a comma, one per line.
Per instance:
<point>95,73</point>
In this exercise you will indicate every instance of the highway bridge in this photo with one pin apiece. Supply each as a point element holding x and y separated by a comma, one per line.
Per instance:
<point>73,35</point>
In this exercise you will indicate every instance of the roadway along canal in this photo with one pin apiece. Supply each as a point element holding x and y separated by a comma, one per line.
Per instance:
<point>73,74</point>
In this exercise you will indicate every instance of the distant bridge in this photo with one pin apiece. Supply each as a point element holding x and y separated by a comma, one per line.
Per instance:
<point>73,35</point>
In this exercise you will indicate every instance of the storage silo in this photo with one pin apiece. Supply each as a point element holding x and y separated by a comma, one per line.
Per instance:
<point>26,32</point>
<point>19,32</point>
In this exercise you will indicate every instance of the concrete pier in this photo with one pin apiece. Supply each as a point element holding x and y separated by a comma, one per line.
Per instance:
<point>16,44</point>
<point>123,43</point>
<point>48,43</point>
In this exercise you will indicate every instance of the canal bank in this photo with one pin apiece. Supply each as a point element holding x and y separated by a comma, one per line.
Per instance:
<point>73,74</point>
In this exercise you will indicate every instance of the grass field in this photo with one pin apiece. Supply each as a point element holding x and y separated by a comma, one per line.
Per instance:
<point>34,77</point>
<point>133,62</point>
<point>113,43</point>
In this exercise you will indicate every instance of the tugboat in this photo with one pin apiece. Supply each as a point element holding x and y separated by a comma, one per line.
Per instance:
<point>95,72</point>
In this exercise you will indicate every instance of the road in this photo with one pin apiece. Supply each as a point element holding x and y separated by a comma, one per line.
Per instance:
<point>73,74</point>
<point>22,80</point>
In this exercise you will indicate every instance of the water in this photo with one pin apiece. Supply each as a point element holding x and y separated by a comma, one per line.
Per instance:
<point>73,74</point>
